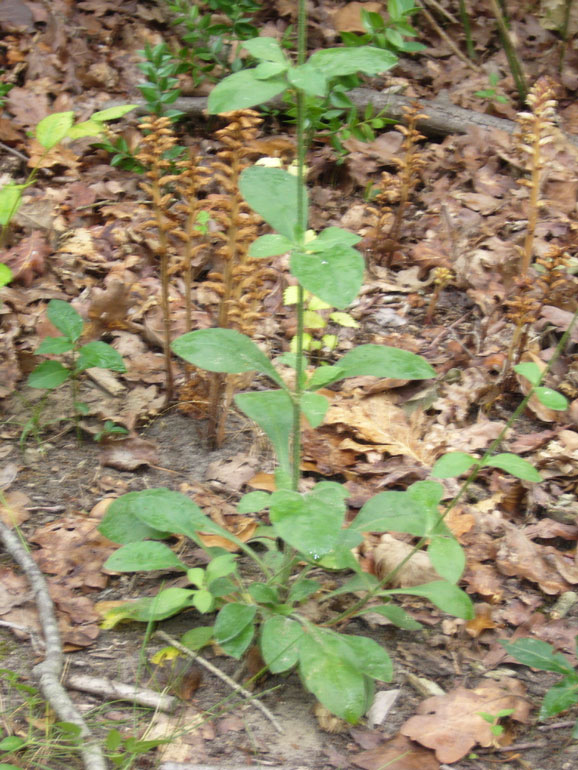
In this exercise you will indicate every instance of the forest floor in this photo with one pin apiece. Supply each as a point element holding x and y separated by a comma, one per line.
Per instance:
<point>80,237</point>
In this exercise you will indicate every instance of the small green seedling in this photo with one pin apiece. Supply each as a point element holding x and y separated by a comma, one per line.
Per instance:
<point>316,317</point>
<point>51,374</point>
<point>538,654</point>
<point>493,720</point>
<point>50,132</point>
<point>110,429</point>
<point>492,94</point>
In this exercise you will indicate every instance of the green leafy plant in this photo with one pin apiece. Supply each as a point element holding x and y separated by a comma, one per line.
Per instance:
<point>110,429</point>
<point>50,132</point>
<point>306,529</point>
<point>538,654</point>
<point>493,720</point>
<point>388,33</point>
<point>211,48</point>
<point>161,87</point>
<point>51,374</point>
<point>316,317</point>
<point>492,94</point>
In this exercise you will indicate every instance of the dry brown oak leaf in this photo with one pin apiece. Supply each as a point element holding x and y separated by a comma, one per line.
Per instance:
<point>451,724</point>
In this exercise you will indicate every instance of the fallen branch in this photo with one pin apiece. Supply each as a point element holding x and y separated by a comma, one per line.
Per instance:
<point>227,679</point>
<point>104,687</point>
<point>49,671</point>
<point>443,117</point>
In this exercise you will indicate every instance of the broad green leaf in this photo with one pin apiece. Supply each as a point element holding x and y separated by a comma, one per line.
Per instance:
<point>243,89</point>
<point>538,654</point>
<point>562,696</point>
<point>444,595</point>
<point>238,645</point>
<point>5,273</point>
<point>345,320</point>
<point>341,557</point>
<point>383,361</point>
<point>335,275</point>
<point>163,605</point>
<point>269,69</point>
<point>12,743</point>
<point>530,371</point>
<point>372,658</point>
<point>86,128</point>
<point>224,350</point>
<point>10,202</point>
<point>144,556</point>
<point>113,113</point>
<point>53,128</point>
<point>279,643</point>
<point>262,593</point>
<point>308,78</point>
<point>323,376</point>
<point>330,672</point>
<point>453,464</point>
<point>391,512</point>
<point>314,407</point>
<point>203,600</point>
<point>99,354</point>
<point>232,620</point>
<point>552,399</point>
<point>303,589</point>
<point>122,522</point>
<point>220,567</point>
<point>448,557</point>
<point>48,375</point>
<point>253,502</point>
<point>272,193</point>
<point>54,345</point>
<point>515,465</point>
<point>271,245</point>
<point>310,522</point>
<point>272,410</point>
<point>395,615</point>
<point>197,638</point>
<point>335,62</point>
<point>330,238</point>
<point>266,49</point>
<point>66,319</point>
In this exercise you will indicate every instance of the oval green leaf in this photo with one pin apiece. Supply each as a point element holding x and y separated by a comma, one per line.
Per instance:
<point>48,375</point>
<point>334,276</point>
<point>243,89</point>
<point>224,350</point>
<point>384,361</point>
<point>272,193</point>
<point>53,128</point>
<point>552,399</point>
<point>448,597</point>
<point>453,464</point>
<point>279,643</point>
<point>515,465</point>
<point>99,354</point>
<point>144,556</point>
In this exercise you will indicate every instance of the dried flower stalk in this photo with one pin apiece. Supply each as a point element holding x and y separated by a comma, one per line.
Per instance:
<point>536,130</point>
<point>156,144</point>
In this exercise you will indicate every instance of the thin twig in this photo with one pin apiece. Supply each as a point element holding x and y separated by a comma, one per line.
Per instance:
<point>12,151</point>
<point>445,37</point>
<point>106,688</point>
<point>557,725</point>
<point>49,671</point>
<point>227,679</point>
<point>514,747</point>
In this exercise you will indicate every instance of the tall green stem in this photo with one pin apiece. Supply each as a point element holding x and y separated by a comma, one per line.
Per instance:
<point>302,226</point>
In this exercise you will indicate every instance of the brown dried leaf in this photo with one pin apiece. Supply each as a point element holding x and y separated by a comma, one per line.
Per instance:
<point>451,724</point>
<point>26,260</point>
<point>396,754</point>
<point>390,552</point>
<point>519,556</point>
<point>13,508</point>
<point>129,454</point>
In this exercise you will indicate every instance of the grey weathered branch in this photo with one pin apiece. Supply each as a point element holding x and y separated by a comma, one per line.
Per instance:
<point>49,671</point>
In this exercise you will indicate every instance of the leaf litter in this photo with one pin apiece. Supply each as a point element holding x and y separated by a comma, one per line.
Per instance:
<point>80,238</point>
